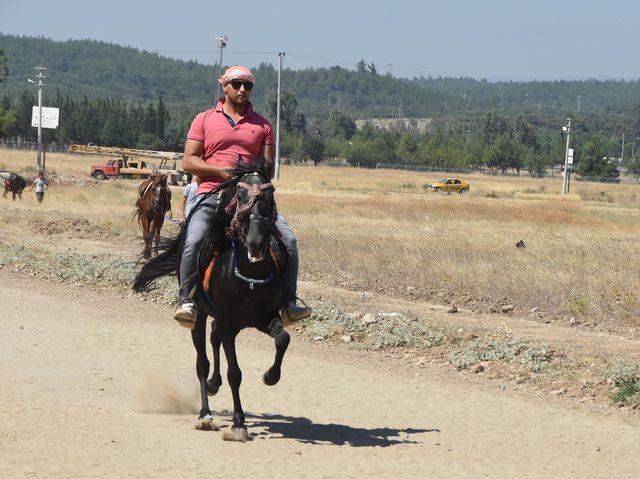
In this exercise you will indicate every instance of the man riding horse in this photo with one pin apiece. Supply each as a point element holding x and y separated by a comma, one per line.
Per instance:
<point>216,139</point>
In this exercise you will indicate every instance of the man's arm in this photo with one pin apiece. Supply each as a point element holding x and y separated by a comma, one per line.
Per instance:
<point>268,152</point>
<point>193,163</point>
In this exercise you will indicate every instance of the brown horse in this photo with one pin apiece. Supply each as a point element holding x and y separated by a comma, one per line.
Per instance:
<point>154,200</point>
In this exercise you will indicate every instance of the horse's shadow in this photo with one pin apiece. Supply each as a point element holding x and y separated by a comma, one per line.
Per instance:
<point>304,430</point>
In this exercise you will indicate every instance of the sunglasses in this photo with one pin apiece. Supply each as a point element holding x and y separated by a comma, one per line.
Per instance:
<point>236,84</point>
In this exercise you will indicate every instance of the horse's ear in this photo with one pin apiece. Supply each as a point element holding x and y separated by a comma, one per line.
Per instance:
<point>240,160</point>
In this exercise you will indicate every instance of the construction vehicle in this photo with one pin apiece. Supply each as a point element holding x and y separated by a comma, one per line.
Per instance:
<point>127,163</point>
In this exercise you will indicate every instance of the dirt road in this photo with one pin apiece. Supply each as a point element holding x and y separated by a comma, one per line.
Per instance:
<point>99,386</point>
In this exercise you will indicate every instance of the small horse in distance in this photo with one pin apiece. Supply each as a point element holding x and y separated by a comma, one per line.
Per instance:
<point>245,287</point>
<point>14,184</point>
<point>154,200</point>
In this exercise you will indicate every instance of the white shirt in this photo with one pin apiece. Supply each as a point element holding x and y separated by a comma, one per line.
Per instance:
<point>190,194</point>
<point>40,184</point>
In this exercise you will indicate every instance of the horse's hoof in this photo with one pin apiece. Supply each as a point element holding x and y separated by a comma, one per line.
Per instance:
<point>271,377</point>
<point>237,434</point>
<point>206,424</point>
<point>213,386</point>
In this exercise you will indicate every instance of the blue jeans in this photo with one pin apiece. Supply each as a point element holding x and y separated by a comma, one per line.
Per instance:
<point>196,234</point>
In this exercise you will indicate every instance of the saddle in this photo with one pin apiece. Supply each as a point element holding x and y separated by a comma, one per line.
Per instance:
<point>277,251</point>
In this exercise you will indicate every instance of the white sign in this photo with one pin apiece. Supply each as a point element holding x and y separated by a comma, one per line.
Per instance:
<point>50,117</point>
<point>570,157</point>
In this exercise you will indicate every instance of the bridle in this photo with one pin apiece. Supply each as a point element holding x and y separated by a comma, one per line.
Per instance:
<point>158,195</point>
<point>240,211</point>
<point>236,230</point>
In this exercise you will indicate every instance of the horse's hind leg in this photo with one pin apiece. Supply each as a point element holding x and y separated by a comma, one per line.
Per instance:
<point>282,338</point>
<point>238,431</point>
<point>198,335</point>
<point>213,384</point>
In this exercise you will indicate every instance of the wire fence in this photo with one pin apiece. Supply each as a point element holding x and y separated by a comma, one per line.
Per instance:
<point>18,144</point>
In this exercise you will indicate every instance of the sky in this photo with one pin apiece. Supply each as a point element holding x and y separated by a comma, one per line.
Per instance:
<point>492,39</point>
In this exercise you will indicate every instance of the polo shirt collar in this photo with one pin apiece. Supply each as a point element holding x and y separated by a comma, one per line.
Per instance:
<point>247,114</point>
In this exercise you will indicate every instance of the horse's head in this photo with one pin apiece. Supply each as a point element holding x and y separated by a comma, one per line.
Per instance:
<point>254,213</point>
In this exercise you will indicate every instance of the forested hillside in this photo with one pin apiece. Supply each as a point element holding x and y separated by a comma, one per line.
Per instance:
<point>120,96</point>
<point>104,70</point>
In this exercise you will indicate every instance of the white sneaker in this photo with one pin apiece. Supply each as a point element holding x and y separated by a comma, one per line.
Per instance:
<point>186,314</point>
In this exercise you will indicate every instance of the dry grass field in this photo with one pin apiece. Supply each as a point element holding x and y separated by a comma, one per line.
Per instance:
<point>381,230</point>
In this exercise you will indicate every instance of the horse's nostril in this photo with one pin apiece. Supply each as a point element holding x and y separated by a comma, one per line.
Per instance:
<point>254,258</point>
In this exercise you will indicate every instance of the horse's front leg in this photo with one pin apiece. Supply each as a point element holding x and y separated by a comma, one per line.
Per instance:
<point>198,335</point>
<point>155,229</point>
<point>144,223</point>
<point>282,338</point>
<point>238,431</point>
<point>213,385</point>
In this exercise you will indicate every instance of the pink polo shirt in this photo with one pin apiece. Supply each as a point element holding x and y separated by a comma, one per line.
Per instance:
<point>223,142</point>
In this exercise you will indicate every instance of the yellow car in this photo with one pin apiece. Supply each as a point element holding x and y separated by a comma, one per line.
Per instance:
<point>450,185</point>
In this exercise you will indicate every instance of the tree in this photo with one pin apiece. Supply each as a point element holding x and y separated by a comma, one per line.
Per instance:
<point>4,66</point>
<point>7,118</point>
<point>494,125</point>
<point>361,66</point>
<point>503,154</point>
<point>338,125</point>
<point>150,120</point>
<point>312,148</point>
<point>408,148</point>
<point>633,167</point>
<point>148,141</point>
<point>593,161</point>
<point>525,133</point>
<point>161,118</point>
<point>290,119</point>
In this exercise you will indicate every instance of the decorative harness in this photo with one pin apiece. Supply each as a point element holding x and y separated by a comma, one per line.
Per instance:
<point>240,212</point>
<point>236,231</point>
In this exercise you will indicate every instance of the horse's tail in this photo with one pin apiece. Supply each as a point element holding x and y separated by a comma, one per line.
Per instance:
<point>165,263</point>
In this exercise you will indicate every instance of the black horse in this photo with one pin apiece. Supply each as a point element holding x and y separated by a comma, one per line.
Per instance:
<point>245,287</point>
<point>14,184</point>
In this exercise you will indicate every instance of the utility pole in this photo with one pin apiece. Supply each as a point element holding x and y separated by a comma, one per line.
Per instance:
<point>622,153</point>
<point>565,178</point>
<point>579,98</point>
<point>280,58</point>
<point>222,43</point>
<point>40,76</point>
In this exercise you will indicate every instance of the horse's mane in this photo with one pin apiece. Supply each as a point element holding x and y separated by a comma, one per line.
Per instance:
<point>258,166</point>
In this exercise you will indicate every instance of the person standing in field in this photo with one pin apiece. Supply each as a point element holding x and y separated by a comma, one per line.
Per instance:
<point>41,185</point>
<point>216,139</point>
